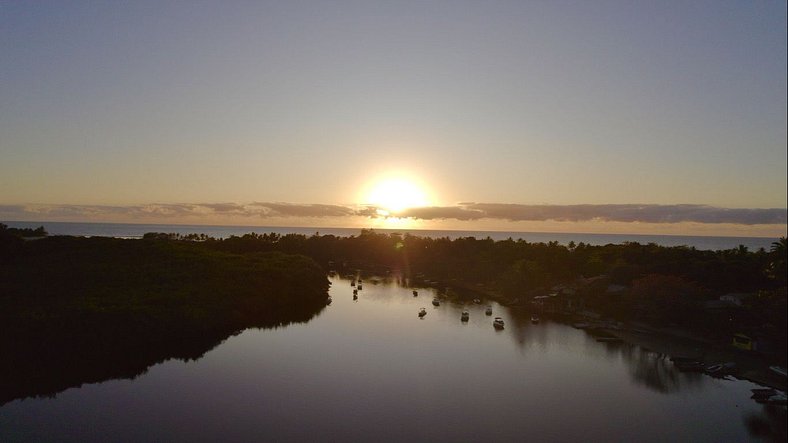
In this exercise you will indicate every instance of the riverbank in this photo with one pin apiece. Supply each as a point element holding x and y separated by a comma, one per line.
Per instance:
<point>678,343</point>
<point>672,341</point>
<point>82,310</point>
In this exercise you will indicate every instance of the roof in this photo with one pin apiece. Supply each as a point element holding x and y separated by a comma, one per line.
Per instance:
<point>720,304</point>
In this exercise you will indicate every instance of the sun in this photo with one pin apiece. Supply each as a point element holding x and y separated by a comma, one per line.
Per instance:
<point>394,195</point>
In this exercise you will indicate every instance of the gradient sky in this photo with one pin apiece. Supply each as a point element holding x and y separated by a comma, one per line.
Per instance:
<point>127,104</point>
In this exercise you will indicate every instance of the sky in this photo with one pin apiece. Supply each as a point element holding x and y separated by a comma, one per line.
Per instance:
<point>642,117</point>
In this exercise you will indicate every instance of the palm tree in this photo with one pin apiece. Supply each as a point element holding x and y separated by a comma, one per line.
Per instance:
<point>777,268</point>
<point>779,247</point>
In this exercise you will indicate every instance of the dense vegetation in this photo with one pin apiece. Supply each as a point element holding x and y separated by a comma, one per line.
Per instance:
<point>23,232</point>
<point>656,284</point>
<point>87,309</point>
<point>76,310</point>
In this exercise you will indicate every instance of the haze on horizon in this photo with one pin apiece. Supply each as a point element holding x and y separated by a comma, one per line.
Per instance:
<point>554,116</point>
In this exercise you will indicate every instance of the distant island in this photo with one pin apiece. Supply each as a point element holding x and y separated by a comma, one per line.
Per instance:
<point>76,310</point>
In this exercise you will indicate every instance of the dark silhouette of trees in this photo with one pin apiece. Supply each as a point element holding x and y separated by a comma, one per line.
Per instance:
<point>259,279</point>
<point>75,310</point>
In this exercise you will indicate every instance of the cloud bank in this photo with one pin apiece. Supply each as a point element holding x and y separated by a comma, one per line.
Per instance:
<point>611,213</point>
<point>468,211</point>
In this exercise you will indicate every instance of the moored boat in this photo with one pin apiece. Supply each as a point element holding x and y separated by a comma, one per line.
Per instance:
<point>534,318</point>
<point>422,312</point>
<point>778,370</point>
<point>329,300</point>
<point>498,323</point>
<point>488,311</point>
<point>688,364</point>
<point>436,302</point>
<point>465,315</point>
<point>721,369</point>
<point>415,293</point>
<point>769,395</point>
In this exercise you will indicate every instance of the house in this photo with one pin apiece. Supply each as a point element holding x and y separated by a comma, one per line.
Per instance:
<point>737,299</point>
<point>720,305</point>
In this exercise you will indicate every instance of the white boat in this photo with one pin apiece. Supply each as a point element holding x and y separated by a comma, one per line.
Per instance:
<point>534,318</point>
<point>778,370</point>
<point>422,312</point>
<point>328,301</point>
<point>477,301</point>
<point>488,311</point>
<point>498,323</point>
<point>465,315</point>
<point>436,302</point>
<point>721,369</point>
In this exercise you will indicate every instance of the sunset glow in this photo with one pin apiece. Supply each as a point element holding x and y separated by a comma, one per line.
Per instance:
<point>392,195</point>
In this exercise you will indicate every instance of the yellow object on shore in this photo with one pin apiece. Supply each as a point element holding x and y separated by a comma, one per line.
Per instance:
<point>743,342</point>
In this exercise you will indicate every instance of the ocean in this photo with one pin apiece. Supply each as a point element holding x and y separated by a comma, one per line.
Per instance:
<point>130,230</point>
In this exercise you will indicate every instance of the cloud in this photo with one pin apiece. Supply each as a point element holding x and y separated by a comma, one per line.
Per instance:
<point>302,210</point>
<point>610,213</point>
<point>466,211</point>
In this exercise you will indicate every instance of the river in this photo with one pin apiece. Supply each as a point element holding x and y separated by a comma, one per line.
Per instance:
<point>370,369</point>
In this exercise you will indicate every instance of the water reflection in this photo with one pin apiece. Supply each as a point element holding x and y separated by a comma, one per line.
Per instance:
<point>656,371</point>
<point>41,365</point>
<point>370,369</point>
<point>648,368</point>
<point>768,424</point>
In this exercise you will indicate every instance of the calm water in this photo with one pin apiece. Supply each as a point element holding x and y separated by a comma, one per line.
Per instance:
<point>371,369</point>
<point>128,230</point>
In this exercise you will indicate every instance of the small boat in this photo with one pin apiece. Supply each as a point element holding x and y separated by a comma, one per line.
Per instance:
<point>778,370</point>
<point>328,301</point>
<point>353,283</point>
<point>436,302</point>
<point>498,323</point>
<point>415,293</point>
<point>778,399</point>
<point>534,318</point>
<point>721,369</point>
<point>359,286</point>
<point>769,395</point>
<point>488,311</point>
<point>689,366</point>
<point>465,315</point>
<point>477,301</point>
<point>422,312</point>
<point>608,339</point>
<point>355,292</point>
<point>355,297</point>
<point>762,393</point>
